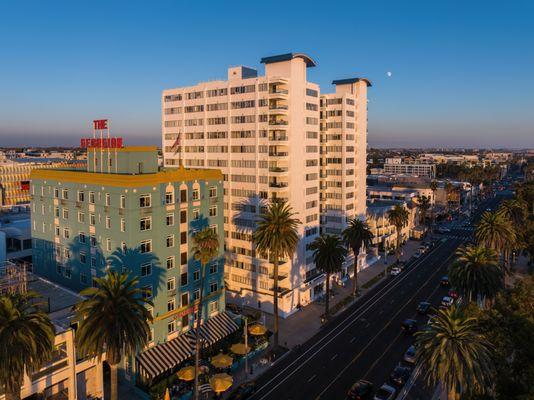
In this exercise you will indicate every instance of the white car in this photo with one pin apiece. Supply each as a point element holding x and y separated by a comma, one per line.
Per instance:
<point>395,271</point>
<point>447,301</point>
<point>386,392</point>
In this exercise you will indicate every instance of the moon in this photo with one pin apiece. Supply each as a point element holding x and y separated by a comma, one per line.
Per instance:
<point>389,74</point>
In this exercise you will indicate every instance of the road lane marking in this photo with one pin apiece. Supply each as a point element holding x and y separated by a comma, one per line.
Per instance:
<point>365,306</point>
<point>312,378</point>
<point>381,330</point>
<point>353,339</point>
<point>333,357</point>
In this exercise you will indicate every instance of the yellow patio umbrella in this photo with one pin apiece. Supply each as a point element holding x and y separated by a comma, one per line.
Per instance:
<point>221,382</point>
<point>257,330</point>
<point>167,395</point>
<point>221,361</point>
<point>187,373</point>
<point>239,348</point>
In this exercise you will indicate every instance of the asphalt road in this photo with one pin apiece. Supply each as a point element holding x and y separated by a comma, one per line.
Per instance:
<point>365,341</point>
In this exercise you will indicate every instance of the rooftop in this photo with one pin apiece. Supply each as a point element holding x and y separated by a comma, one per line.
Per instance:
<point>351,80</point>
<point>288,57</point>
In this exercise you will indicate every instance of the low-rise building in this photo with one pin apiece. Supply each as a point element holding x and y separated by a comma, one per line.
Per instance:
<point>394,166</point>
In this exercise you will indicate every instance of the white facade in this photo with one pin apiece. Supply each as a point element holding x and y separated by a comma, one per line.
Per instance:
<point>398,166</point>
<point>264,133</point>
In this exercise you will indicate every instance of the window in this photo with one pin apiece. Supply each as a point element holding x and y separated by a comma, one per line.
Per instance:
<point>183,258</point>
<point>170,241</point>
<point>169,198</point>
<point>147,292</point>
<point>196,194</point>
<point>93,262</point>
<point>92,197</point>
<point>185,299</point>
<point>81,217</point>
<point>123,202</point>
<point>56,230</point>
<point>123,225</point>
<point>83,257</point>
<point>183,279</point>
<point>83,278</point>
<point>213,306</point>
<point>171,327</point>
<point>213,287</point>
<point>108,244</point>
<point>146,269</point>
<point>196,295</point>
<point>183,216</point>
<point>144,200</point>
<point>145,224</point>
<point>171,284</point>
<point>81,237</point>
<point>196,214</point>
<point>170,305</point>
<point>81,195</point>
<point>145,246</point>
<point>183,196</point>
<point>185,321</point>
<point>108,222</point>
<point>92,239</point>
<point>213,191</point>
<point>92,219</point>
<point>68,272</point>
<point>169,219</point>
<point>56,193</point>
<point>213,269</point>
<point>170,262</point>
<point>183,237</point>
<point>65,194</point>
<point>66,233</point>
<point>65,213</point>
<point>56,212</point>
<point>108,199</point>
<point>213,211</point>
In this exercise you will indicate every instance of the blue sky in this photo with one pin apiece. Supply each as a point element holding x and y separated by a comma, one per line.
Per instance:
<point>462,71</point>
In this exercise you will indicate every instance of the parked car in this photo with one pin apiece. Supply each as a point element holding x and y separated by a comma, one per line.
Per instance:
<point>443,230</point>
<point>385,392</point>
<point>400,375</point>
<point>409,326</point>
<point>444,281</point>
<point>409,356</point>
<point>361,390</point>
<point>395,271</point>
<point>453,293</point>
<point>243,391</point>
<point>402,265</point>
<point>417,254</point>
<point>423,307</point>
<point>447,301</point>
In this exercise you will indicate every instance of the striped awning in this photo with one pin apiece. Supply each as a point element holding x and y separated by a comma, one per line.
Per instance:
<point>215,329</point>
<point>165,356</point>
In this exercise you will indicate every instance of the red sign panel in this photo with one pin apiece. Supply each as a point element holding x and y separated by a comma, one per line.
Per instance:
<point>101,143</point>
<point>100,124</point>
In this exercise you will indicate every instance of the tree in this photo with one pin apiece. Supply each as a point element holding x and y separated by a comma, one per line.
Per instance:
<point>453,352</point>
<point>434,188</point>
<point>205,248</point>
<point>494,230</point>
<point>448,190</point>
<point>423,203</point>
<point>114,320</point>
<point>27,340</point>
<point>476,273</point>
<point>398,217</point>
<point>357,235</point>
<point>276,236</point>
<point>328,255</point>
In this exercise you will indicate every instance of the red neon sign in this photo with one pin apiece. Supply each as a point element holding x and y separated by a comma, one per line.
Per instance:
<point>101,143</point>
<point>100,124</point>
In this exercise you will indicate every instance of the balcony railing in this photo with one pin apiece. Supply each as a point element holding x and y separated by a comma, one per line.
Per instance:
<point>278,154</point>
<point>278,107</point>
<point>278,184</point>
<point>278,169</point>
<point>273,122</point>
<point>278,91</point>
<point>278,138</point>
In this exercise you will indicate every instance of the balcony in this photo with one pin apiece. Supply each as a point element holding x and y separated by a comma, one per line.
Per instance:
<point>278,185</point>
<point>275,122</point>
<point>278,138</point>
<point>278,170</point>
<point>276,93</point>
<point>280,154</point>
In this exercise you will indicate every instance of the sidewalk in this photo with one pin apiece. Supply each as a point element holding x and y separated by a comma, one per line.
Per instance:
<point>302,325</point>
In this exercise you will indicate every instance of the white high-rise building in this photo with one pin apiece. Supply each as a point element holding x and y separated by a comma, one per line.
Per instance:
<point>264,133</point>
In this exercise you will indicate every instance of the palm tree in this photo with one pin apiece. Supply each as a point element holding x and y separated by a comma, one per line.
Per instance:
<point>276,237</point>
<point>448,190</point>
<point>423,203</point>
<point>454,353</point>
<point>476,273</point>
<point>399,218</point>
<point>205,249</point>
<point>357,235</point>
<point>27,338</point>
<point>434,188</point>
<point>494,230</point>
<point>328,255</point>
<point>114,320</point>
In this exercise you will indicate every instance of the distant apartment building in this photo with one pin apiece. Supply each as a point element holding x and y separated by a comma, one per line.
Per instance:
<point>398,166</point>
<point>264,133</point>
<point>437,158</point>
<point>15,178</point>
<point>15,235</point>
<point>127,214</point>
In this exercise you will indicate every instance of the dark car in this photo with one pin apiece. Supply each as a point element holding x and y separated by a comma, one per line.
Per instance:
<point>423,307</point>
<point>409,326</point>
<point>243,391</point>
<point>400,375</point>
<point>409,356</point>
<point>402,265</point>
<point>444,281</point>
<point>361,390</point>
